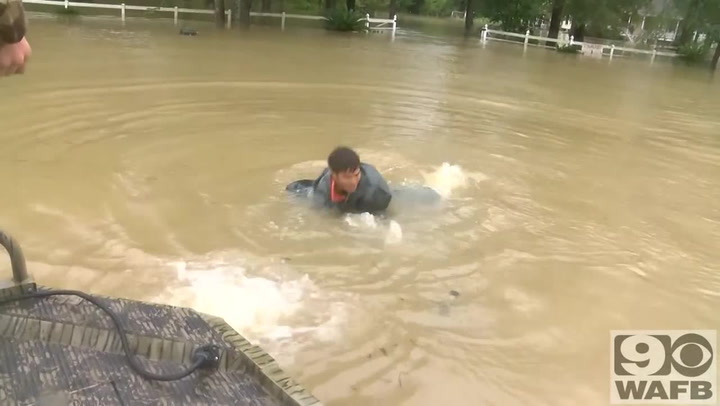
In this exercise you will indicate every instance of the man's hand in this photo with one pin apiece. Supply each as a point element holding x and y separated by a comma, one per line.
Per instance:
<point>13,57</point>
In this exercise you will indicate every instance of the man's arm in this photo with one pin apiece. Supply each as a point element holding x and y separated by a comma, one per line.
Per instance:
<point>12,22</point>
<point>377,201</point>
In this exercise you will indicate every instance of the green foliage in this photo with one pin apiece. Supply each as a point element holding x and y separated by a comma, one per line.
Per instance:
<point>603,13</point>
<point>67,15</point>
<point>439,8</point>
<point>513,15</point>
<point>694,52</point>
<point>569,49</point>
<point>344,21</point>
<point>67,12</point>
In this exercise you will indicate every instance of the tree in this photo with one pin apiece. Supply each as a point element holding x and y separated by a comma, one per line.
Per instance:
<point>691,11</point>
<point>220,13</point>
<point>469,17</point>
<point>514,15</point>
<point>266,6</point>
<point>556,18</point>
<point>392,10</point>
<point>702,16</point>
<point>245,7</point>
<point>593,17</point>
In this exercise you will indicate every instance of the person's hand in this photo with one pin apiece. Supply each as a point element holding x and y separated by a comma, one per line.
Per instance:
<point>13,57</point>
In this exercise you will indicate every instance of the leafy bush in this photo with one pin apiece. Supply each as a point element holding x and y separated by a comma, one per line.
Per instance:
<point>67,15</point>
<point>70,12</point>
<point>345,21</point>
<point>694,53</point>
<point>569,49</point>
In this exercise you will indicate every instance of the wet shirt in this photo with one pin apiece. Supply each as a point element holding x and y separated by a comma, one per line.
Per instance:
<point>12,21</point>
<point>372,194</point>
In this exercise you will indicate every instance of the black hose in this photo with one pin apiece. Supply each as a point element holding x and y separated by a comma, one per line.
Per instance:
<point>17,259</point>
<point>207,356</point>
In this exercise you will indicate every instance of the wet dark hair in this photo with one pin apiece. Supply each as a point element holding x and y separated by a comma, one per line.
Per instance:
<point>343,159</point>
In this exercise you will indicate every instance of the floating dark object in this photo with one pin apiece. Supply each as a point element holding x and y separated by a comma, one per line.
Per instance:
<point>454,293</point>
<point>188,31</point>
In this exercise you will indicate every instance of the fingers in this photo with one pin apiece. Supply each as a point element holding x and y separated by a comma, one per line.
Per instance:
<point>12,69</point>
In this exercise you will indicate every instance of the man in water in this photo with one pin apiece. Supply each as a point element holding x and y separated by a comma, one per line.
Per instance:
<point>14,48</point>
<point>350,185</point>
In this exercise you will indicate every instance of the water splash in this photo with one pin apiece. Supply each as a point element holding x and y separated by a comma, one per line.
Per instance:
<point>258,307</point>
<point>364,221</point>
<point>446,179</point>
<point>394,233</point>
<point>368,222</point>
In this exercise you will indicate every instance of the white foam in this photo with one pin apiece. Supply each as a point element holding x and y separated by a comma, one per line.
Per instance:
<point>446,179</point>
<point>368,222</point>
<point>258,307</point>
<point>362,220</point>
<point>394,233</point>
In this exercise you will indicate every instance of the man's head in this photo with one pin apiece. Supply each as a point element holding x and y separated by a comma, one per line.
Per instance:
<point>344,164</point>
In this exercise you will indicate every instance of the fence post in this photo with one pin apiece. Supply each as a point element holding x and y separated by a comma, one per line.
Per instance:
<point>653,55</point>
<point>612,51</point>
<point>175,15</point>
<point>122,12</point>
<point>282,22</point>
<point>229,18</point>
<point>367,21</point>
<point>394,24</point>
<point>67,4</point>
<point>483,36</point>
<point>527,37</point>
<point>572,40</point>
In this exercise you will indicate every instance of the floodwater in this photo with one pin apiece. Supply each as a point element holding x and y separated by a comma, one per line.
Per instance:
<point>580,196</point>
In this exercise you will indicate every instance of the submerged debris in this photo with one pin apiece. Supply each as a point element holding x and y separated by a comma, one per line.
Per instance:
<point>454,293</point>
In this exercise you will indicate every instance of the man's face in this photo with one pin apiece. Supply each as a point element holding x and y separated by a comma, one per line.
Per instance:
<point>348,180</point>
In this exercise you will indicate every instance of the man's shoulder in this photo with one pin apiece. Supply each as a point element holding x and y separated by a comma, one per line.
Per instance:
<point>370,169</point>
<point>373,176</point>
<point>322,181</point>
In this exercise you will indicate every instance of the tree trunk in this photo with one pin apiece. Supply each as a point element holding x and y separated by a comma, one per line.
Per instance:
<point>469,17</point>
<point>220,13</point>
<point>689,23</point>
<point>393,9</point>
<point>578,32</point>
<point>350,4</point>
<point>266,6</point>
<point>329,5</point>
<point>715,58</point>
<point>245,7</point>
<point>555,20</point>
<point>686,34</point>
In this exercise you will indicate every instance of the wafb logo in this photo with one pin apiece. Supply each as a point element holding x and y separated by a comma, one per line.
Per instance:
<point>663,367</point>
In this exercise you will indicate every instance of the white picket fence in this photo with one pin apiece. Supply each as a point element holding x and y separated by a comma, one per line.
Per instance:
<point>596,50</point>
<point>372,24</point>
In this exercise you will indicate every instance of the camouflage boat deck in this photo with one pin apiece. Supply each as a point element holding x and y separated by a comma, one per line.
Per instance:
<point>62,350</point>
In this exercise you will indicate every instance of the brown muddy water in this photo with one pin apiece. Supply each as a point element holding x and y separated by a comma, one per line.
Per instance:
<point>580,196</point>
